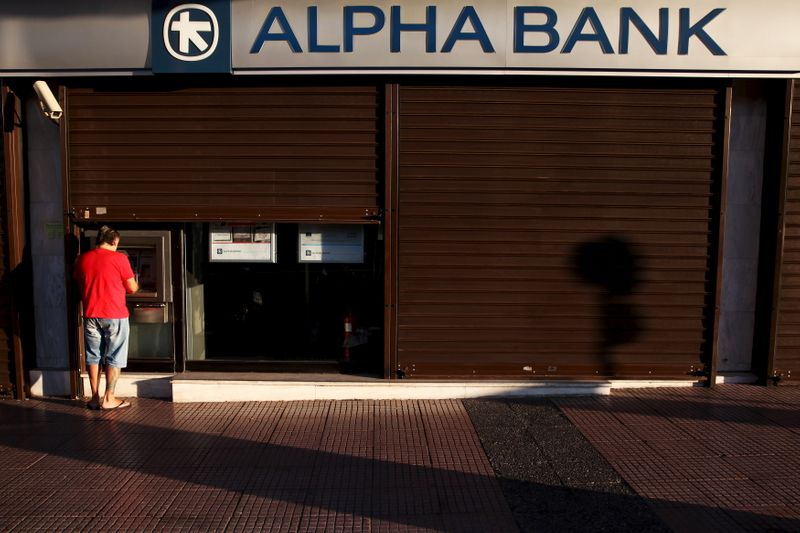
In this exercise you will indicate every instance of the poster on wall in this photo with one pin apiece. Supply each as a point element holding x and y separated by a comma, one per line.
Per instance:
<point>331,243</point>
<point>241,243</point>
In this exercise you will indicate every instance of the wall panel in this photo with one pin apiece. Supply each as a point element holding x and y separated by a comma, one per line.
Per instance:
<point>556,231</point>
<point>241,153</point>
<point>785,353</point>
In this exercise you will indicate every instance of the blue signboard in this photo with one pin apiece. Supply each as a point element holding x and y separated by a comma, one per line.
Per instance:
<point>191,37</point>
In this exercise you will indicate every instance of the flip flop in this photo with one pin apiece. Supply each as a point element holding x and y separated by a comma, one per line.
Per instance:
<point>120,405</point>
<point>93,406</point>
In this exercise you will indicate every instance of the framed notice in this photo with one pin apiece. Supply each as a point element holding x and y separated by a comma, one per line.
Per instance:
<point>331,243</point>
<point>241,243</point>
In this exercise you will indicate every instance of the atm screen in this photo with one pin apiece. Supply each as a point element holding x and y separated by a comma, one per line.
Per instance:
<point>143,263</point>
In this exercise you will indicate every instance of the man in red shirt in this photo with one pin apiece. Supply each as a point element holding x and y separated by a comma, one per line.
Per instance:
<point>105,277</point>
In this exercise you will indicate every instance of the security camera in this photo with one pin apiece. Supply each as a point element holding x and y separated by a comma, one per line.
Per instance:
<point>47,100</point>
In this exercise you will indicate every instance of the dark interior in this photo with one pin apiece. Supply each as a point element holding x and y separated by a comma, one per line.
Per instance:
<point>289,311</point>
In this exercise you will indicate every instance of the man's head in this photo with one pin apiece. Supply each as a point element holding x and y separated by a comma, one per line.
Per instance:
<point>108,236</point>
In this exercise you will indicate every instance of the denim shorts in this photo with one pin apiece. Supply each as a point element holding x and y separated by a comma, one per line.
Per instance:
<point>106,341</point>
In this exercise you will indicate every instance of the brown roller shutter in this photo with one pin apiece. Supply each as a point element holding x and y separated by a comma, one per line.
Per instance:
<point>6,302</point>
<point>246,153</point>
<point>785,357</point>
<point>556,231</point>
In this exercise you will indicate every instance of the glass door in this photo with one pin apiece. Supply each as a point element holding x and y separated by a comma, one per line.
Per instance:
<point>268,294</point>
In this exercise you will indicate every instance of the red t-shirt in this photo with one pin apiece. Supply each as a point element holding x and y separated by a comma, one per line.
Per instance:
<point>101,274</point>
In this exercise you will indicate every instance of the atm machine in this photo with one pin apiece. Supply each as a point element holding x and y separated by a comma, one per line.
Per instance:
<point>151,309</point>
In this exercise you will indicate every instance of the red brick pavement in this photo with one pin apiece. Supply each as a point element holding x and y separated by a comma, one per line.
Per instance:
<point>398,466</point>
<point>724,459</point>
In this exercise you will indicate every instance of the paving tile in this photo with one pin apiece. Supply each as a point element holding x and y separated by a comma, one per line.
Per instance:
<point>488,499</point>
<point>660,431</point>
<point>49,524</point>
<point>274,456</point>
<point>240,458</point>
<point>123,524</point>
<point>415,523</point>
<point>113,438</point>
<point>396,475</point>
<point>466,522</point>
<point>728,445</point>
<point>16,503</point>
<point>765,467</point>
<point>338,476</point>
<point>10,522</point>
<point>44,480</point>
<point>131,503</point>
<point>785,488</point>
<point>741,493</point>
<point>210,503</point>
<point>451,478</point>
<point>771,518</point>
<point>57,463</point>
<point>283,477</point>
<point>272,524</point>
<point>276,504</point>
<point>177,458</point>
<point>670,449</point>
<point>694,518</point>
<point>193,440</point>
<point>673,491</point>
<point>423,501</point>
<point>168,478</point>
<point>705,468</point>
<point>355,502</point>
<point>215,477</point>
<point>703,428</point>
<point>13,459</point>
<point>775,440</point>
<point>335,522</point>
<point>644,469</point>
<point>612,434</point>
<point>200,524</point>
<point>71,502</point>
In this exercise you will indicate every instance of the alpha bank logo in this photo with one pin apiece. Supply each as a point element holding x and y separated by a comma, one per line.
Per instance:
<point>196,30</point>
<point>191,37</point>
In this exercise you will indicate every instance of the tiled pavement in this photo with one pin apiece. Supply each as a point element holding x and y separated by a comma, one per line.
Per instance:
<point>283,466</point>
<point>726,459</point>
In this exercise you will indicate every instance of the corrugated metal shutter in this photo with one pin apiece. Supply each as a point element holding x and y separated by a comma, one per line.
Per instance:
<point>246,153</point>
<point>786,348</point>
<point>555,231</point>
<point>6,307</point>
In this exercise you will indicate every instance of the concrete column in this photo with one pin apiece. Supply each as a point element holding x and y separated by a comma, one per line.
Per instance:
<point>51,378</point>
<point>742,227</point>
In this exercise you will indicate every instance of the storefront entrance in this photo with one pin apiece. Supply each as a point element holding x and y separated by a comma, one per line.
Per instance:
<point>272,300</point>
<point>282,304</point>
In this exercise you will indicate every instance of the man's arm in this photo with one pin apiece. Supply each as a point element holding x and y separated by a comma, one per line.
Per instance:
<point>131,286</point>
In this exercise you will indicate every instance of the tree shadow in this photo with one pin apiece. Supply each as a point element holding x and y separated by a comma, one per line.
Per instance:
<point>610,264</point>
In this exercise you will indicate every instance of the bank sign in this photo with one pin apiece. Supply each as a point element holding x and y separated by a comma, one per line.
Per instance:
<point>645,36</point>
<point>632,37</point>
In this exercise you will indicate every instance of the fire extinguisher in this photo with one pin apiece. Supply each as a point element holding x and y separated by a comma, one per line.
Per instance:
<point>348,330</point>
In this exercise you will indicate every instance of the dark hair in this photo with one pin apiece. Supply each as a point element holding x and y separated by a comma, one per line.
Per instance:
<point>107,235</point>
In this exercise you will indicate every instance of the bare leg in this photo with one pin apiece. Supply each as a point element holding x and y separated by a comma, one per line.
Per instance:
<point>112,375</point>
<point>94,384</point>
